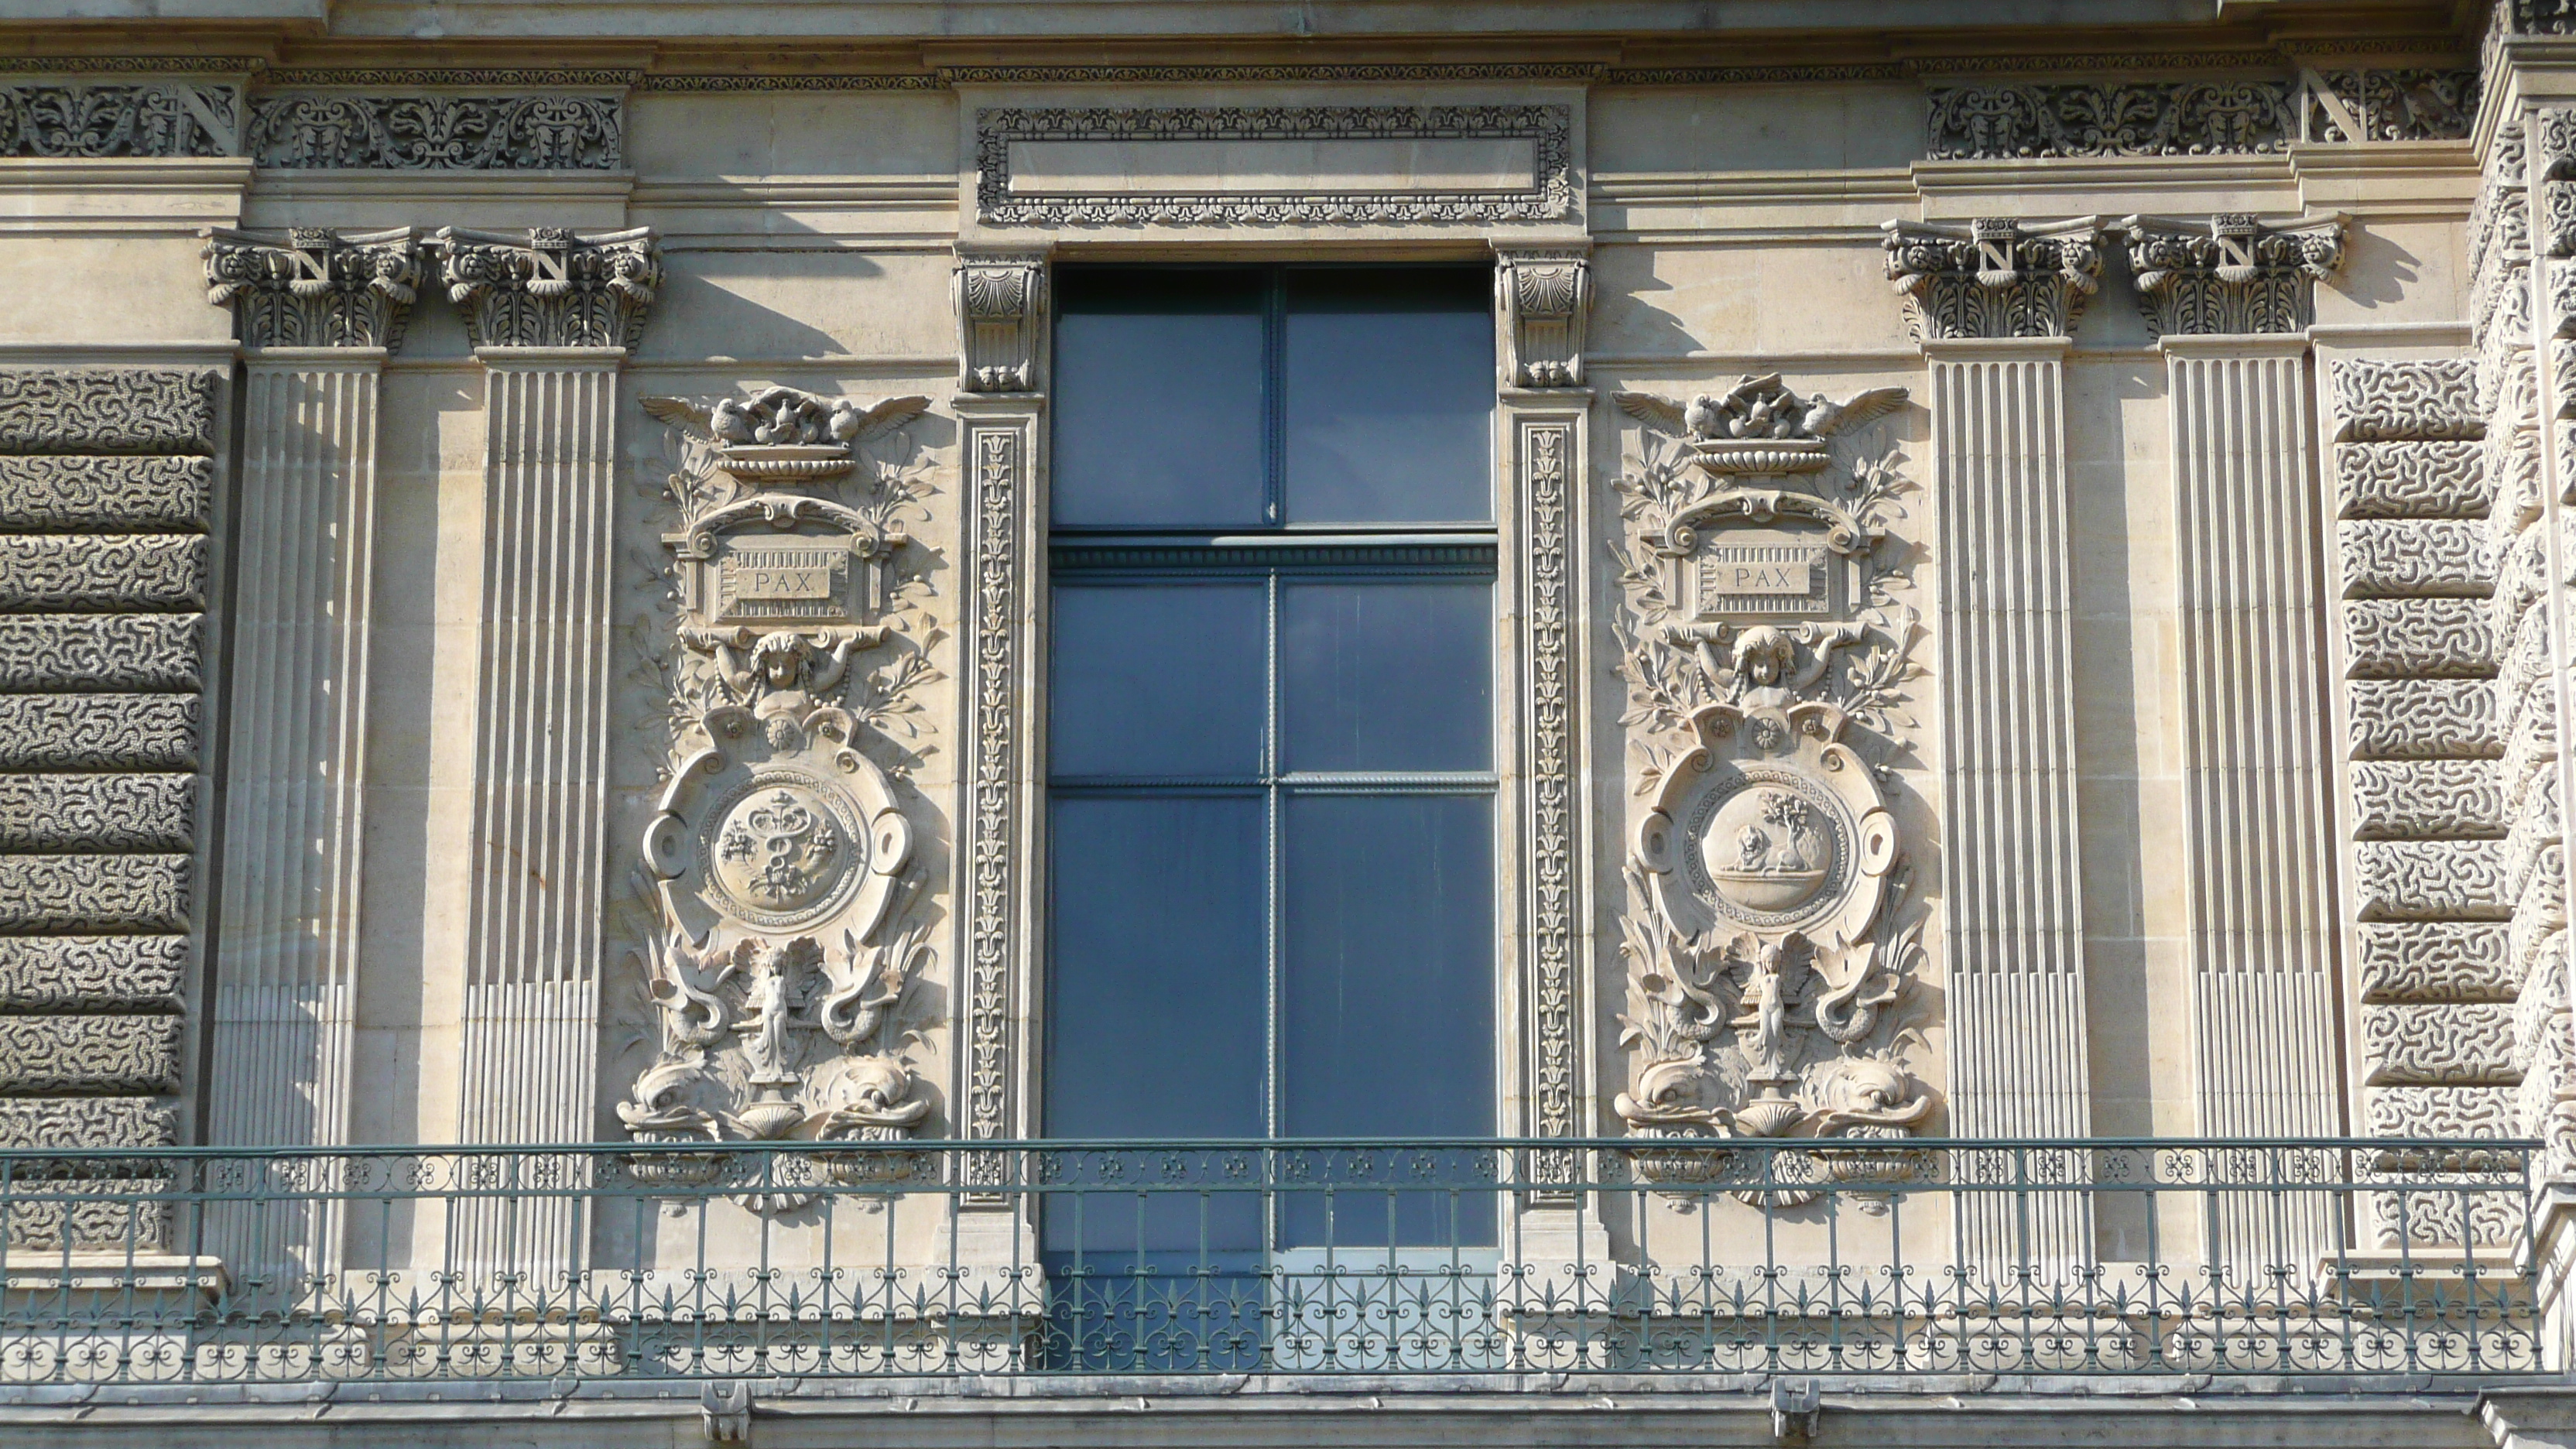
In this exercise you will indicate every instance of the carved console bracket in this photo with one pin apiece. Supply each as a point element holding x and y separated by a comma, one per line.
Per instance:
<point>319,289</point>
<point>2230,274</point>
<point>554,287</point>
<point>1001,319</point>
<point>1543,296</point>
<point>1994,277</point>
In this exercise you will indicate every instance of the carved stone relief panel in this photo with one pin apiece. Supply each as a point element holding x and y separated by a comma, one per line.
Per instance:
<point>780,851</point>
<point>435,129</point>
<point>88,119</point>
<point>1770,937</point>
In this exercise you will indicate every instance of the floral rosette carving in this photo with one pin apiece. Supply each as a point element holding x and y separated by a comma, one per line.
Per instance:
<point>1770,940</point>
<point>777,857</point>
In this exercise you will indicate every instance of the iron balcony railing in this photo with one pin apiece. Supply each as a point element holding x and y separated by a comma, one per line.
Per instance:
<point>1681,1257</point>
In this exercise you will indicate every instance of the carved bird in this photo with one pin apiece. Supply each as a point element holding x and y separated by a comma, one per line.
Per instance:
<point>1702,417</point>
<point>849,423</point>
<point>1824,418</point>
<point>1659,412</point>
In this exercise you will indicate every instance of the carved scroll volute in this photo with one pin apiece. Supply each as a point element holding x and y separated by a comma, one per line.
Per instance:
<point>779,848</point>
<point>1769,937</point>
<point>1001,301</point>
<point>1544,297</point>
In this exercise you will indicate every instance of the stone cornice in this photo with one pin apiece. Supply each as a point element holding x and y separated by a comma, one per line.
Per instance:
<point>2229,274</point>
<point>318,289</point>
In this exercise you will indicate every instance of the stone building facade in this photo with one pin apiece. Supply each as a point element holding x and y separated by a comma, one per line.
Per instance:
<point>2029,602</point>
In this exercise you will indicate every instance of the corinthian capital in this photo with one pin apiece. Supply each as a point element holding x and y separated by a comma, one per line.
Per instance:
<point>551,288</point>
<point>320,289</point>
<point>2231,273</point>
<point>1545,296</point>
<point>1994,277</point>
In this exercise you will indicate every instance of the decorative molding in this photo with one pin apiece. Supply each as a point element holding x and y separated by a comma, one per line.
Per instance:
<point>1568,71</point>
<point>1993,277</point>
<point>1723,75</point>
<point>1543,299</point>
<point>995,833</point>
<point>1547,450</point>
<point>94,119</point>
<point>553,288</point>
<point>2231,274</point>
<point>450,78</point>
<point>436,131</point>
<point>320,289</point>
<point>1549,195</point>
<point>1002,310</point>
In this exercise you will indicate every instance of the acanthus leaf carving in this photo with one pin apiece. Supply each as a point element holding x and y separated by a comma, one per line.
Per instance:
<point>1994,276</point>
<point>2230,274</point>
<point>551,287</point>
<point>91,119</point>
<point>320,289</point>
<point>431,131</point>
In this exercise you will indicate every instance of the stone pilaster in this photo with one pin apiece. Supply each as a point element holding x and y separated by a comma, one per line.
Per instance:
<point>2231,298</point>
<point>1992,302</point>
<point>318,316</point>
<point>551,318</point>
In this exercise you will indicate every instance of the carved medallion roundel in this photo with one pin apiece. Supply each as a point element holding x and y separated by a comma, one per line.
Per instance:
<point>1769,846</point>
<point>784,848</point>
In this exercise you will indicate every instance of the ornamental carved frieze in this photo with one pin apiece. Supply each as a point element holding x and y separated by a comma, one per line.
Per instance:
<point>1770,942</point>
<point>316,287</point>
<point>551,286</point>
<point>436,131</point>
<point>1994,277</point>
<point>2231,273</point>
<point>92,119</point>
<point>1543,296</point>
<point>780,851</point>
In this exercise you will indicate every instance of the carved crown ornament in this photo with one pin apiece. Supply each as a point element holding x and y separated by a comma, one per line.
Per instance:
<point>2231,273</point>
<point>315,287</point>
<point>779,850</point>
<point>552,287</point>
<point>1769,941</point>
<point>1994,277</point>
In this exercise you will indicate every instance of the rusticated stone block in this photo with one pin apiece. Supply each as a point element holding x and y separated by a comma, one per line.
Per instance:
<point>75,572</point>
<point>107,410</point>
<point>2437,961</point>
<point>46,653</point>
<point>88,1213</point>
<point>68,894</point>
<point>2381,398</point>
<point>73,973</point>
<point>2444,1043</point>
<point>2417,638</point>
<point>2460,880</point>
<point>89,1055</point>
<point>91,494</point>
<point>2412,478</point>
<point>97,812</point>
<point>2415,719</point>
<point>2414,557</point>
<point>2439,1112</point>
<point>41,1122</point>
<point>2427,799</point>
<point>98,731</point>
